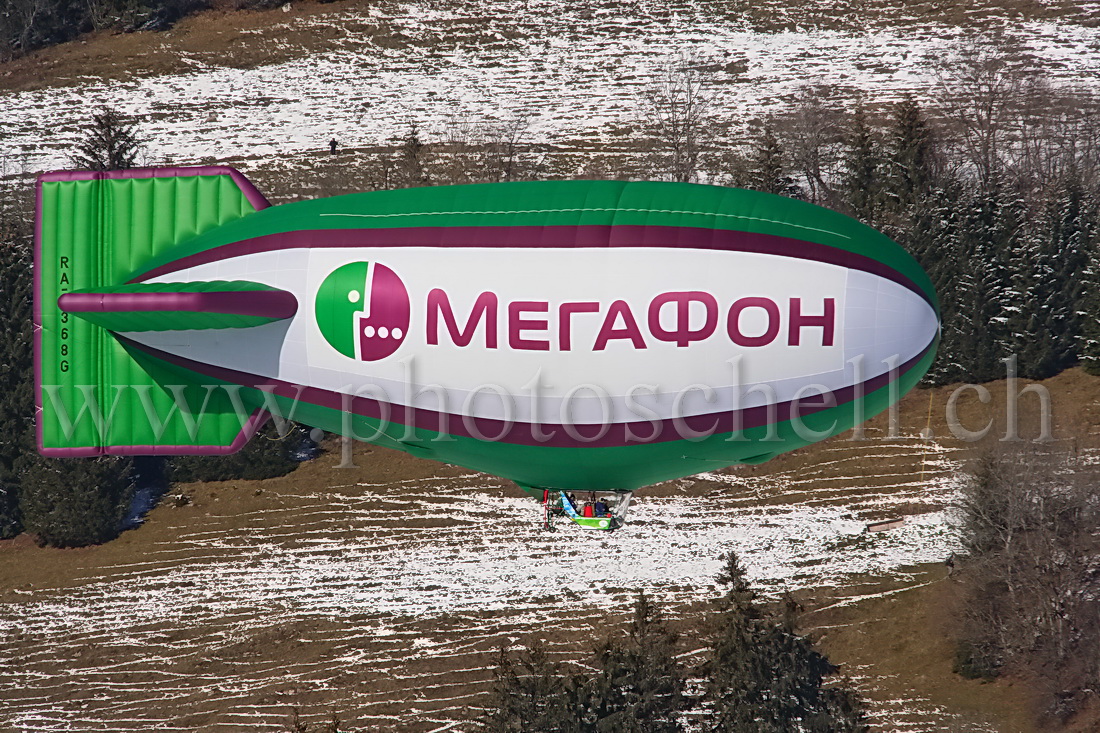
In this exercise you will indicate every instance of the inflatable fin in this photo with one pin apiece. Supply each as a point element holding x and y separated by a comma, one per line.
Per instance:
<point>181,306</point>
<point>93,231</point>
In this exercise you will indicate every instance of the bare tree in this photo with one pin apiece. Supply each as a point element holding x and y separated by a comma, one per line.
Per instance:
<point>480,151</point>
<point>1031,575</point>
<point>21,26</point>
<point>503,149</point>
<point>811,135</point>
<point>677,107</point>
<point>1058,132</point>
<point>979,91</point>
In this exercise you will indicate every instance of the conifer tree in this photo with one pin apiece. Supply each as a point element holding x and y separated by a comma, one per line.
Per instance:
<point>862,184</point>
<point>11,521</point>
<point>79,501</point>
<point>910,183</point>
<point>933,238</point>
<point>532,694</point>
<point>763,677</point>
<point>111,143</point>
<point>930,213</point>
<point>988,259</point>
<point>640,686</point>
<point>72,502</point>
<point>1089,310</point>
<point>768,169</point>
<point>912,169</point>
<point>265,456</point>
<point>16,397</point>
<point>1051,282</point>
<point>410,163</point>
<point>969,244</point>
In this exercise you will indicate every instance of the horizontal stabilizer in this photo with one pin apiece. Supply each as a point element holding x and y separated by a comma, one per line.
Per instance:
<point>180,306</point>
<point>93,396</point>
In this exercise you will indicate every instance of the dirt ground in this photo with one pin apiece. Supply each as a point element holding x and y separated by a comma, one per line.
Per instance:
<point>244,39</point>
<point>231,664</point>
<point>195,667</point>
<point>237,39</point>
<point>903,636</point>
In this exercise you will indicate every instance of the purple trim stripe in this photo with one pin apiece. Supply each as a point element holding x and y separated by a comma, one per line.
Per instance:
<point>257,199</point>
<point>520,433</point>
<point>556,237</point>
<point>36,315</point>
<point>265,303</point>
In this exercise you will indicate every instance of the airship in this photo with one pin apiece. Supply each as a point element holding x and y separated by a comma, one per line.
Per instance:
<point>579,338</point>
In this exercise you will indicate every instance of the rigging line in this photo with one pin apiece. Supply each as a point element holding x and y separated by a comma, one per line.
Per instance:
<point>927,435</point>
<point>591,210</point>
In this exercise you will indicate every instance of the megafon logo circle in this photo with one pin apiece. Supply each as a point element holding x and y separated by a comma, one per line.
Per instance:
<point>362,309</point>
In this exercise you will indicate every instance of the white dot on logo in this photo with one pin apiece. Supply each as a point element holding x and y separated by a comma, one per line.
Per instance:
<point>396,333</point>
<point>368,331</point>
<point>353,296</point>
<point>383,332</point>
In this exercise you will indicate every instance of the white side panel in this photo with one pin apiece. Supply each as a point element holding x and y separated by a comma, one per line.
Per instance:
<point>877,324</point>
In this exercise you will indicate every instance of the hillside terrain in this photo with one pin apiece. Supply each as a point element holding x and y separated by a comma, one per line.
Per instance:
<point>267,91</point>
<point>382,592</point>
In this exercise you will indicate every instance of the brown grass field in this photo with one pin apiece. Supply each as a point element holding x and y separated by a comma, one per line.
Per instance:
<point>239,655</point>
<point>224,613</point>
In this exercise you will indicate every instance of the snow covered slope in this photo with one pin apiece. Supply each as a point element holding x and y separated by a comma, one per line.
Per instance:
<point>387,599</point>
<point>332,597</point>
<point>574,71</point>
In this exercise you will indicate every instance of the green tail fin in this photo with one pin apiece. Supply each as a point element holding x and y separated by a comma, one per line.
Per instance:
<point>93,231</point>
